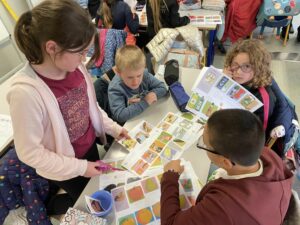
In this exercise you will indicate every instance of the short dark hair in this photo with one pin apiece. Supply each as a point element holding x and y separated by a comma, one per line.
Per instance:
<point>236,134</point>
<point>62,21</point>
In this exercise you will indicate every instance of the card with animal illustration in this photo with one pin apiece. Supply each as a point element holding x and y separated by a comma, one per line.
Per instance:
<point>214,90</point>
<point>138,136</point>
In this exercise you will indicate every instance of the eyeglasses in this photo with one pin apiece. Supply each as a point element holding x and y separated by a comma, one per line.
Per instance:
<point>83,53</point>
<point>246,68</point>
<point>201,145</point>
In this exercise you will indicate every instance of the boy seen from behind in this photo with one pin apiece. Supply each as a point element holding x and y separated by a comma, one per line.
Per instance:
<point>251,186</point>
<point>134,89</point>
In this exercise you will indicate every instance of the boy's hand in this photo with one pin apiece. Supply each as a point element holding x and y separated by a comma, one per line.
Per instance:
<point>92,170</point>
<point>174,165</point>
<point>150,98</point>
<point>228,71</point>
<point>123,134</point>
<point>133,100</point>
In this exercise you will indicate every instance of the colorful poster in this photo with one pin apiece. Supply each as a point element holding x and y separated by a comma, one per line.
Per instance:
<point>213,91</point>
<point>120,178</point>
<point>168,140</point>
<point>139,202</point>
<point>205,20</point>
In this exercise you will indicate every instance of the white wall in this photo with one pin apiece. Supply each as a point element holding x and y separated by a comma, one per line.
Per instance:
<point>9,57</point>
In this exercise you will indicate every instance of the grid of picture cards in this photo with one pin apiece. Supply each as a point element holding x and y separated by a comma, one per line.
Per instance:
<point>153,146</point>
<point>214,90</point>
<point>138,202</point>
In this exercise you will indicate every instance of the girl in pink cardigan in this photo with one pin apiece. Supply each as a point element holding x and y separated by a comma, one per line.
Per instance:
<point>53,106</point>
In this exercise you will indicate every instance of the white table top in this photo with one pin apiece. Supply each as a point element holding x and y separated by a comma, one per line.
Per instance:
<point>153,115</point>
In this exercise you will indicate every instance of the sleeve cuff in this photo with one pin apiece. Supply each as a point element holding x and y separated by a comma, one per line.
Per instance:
<point>170,176</point>
<point>83,167</point>
<point>144,104</point>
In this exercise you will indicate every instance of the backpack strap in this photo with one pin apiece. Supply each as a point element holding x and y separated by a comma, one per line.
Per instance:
<point>265,97</point>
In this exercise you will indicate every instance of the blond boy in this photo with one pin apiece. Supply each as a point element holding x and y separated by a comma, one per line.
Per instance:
<point>133,89</point>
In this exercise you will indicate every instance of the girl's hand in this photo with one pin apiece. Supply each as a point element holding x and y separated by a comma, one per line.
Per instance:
<point>175,166</point>
<point>92,170</point>
<point>123,134</point>
<point>228,71</point>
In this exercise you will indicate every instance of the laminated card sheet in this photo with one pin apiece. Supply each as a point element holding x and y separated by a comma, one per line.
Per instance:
<point>214,90</point>
<point>174,134</point>
<point>138,203</point>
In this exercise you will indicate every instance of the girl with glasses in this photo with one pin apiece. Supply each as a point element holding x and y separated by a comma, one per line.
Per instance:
<point>249,63</point>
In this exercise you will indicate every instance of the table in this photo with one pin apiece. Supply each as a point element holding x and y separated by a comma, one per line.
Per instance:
<point>154,114</point>
<point>211,28</point>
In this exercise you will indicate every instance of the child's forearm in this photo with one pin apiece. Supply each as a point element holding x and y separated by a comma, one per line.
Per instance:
<point>160,91</point>
<point>123,114</point>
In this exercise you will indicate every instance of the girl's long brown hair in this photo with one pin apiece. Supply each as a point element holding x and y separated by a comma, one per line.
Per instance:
<point>155,6</point>
<point>105,13</point>
<point>62,21</point>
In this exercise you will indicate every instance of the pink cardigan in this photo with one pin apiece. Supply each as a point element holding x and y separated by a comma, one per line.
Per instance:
<point>46,145</point>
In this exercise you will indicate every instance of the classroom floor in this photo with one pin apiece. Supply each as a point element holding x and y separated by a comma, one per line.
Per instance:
<point>285,66</point>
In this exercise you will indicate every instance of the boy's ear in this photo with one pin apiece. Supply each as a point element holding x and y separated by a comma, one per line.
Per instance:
<point>227,163</point>
<point>117,70</point>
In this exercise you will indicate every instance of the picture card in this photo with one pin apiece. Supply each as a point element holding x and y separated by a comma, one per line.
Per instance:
<point>138,136</point>
<point>93,204</point>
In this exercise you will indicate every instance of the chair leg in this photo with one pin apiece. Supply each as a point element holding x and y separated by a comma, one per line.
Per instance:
<point>277,33</point>
<point>260,36</point>
<point>286,34</point>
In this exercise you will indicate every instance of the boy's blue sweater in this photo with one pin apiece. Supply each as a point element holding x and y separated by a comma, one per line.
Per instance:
<point>119,94</point>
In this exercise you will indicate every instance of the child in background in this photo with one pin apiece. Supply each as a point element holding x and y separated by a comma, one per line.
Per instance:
<point>248,63</point>
<point>117,14</point>
<point>134,89</point>
<point>93,6</point>
<point>251,186</point>
<point>163,14</point>
<point>52,101</point>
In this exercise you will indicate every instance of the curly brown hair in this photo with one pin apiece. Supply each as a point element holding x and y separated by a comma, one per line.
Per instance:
<point>259,57</point>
